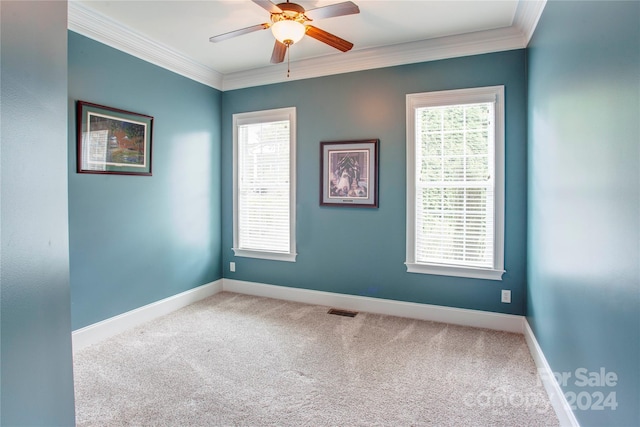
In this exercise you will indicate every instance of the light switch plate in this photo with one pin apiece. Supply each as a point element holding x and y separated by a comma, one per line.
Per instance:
<point>506,296</point>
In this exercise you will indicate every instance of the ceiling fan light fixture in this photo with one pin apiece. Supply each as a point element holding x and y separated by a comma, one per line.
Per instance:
<point>288,31</point>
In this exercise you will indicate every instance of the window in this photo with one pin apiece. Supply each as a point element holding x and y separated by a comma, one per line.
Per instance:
<point>264,184</point>
<point>455,183</point>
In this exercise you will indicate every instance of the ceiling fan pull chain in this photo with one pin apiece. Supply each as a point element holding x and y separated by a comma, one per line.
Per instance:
<point>288,60</point>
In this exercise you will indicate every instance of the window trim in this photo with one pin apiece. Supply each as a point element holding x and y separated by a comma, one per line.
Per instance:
<point>239,119</point>
<point>454,97</point>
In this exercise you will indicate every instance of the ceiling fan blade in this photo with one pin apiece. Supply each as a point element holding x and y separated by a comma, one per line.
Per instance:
<point>239,32</point>
<point>328,38</point>
<point>338,9</point>
<point>268,6</point>
<point>279,50</point>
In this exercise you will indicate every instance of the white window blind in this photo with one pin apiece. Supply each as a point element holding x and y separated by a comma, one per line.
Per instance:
<point>455,224</point>
<point>263,191</point>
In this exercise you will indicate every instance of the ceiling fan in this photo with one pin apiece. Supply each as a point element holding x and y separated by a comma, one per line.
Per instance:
<point>290,22</point>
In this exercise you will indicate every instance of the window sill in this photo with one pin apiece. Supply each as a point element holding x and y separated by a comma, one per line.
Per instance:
<point>273,256</point>
<point>455,271</point>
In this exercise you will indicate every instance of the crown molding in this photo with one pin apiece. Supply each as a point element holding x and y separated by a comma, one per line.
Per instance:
<point>527,16</point>
<point>407,53</point>
<point>98,27</point>
<point>93,25</point>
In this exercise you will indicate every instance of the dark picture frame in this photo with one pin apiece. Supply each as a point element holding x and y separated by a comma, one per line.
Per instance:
<point>349,173</point>
<point>113,141</point>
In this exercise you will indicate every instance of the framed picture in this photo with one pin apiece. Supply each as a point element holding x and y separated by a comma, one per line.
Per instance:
<point>112,141</point>
<point>349,173</point>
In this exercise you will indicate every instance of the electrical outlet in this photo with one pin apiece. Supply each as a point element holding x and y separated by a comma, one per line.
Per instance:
<point>506,296</point>
<point>232,266</point>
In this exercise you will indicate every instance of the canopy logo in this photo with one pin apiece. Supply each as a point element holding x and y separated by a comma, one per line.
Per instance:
<point>589,399</point>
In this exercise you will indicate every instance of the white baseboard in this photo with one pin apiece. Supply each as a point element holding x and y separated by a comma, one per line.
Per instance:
<point>436,313</point>
<point>556,396</point>
<point>97,332</point>
<point>458,316</point>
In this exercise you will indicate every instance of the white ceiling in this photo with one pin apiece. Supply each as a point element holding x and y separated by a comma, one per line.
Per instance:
<point>175,34</point>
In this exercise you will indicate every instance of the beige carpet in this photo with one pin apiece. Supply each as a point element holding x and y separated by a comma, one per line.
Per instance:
<point>237,360</point>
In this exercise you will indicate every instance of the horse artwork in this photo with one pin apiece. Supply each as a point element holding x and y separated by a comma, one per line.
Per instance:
<point>111,140</point>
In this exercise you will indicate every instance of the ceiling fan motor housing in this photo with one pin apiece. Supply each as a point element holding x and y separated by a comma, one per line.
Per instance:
<point>291,7</point>
<point>290,12</point>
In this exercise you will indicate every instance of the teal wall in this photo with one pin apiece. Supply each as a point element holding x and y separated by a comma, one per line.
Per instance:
<point>584,193</point>
<point>362,251</point>
<point>136,239</point>
<point>36,381</point>
<point>572,200</point>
